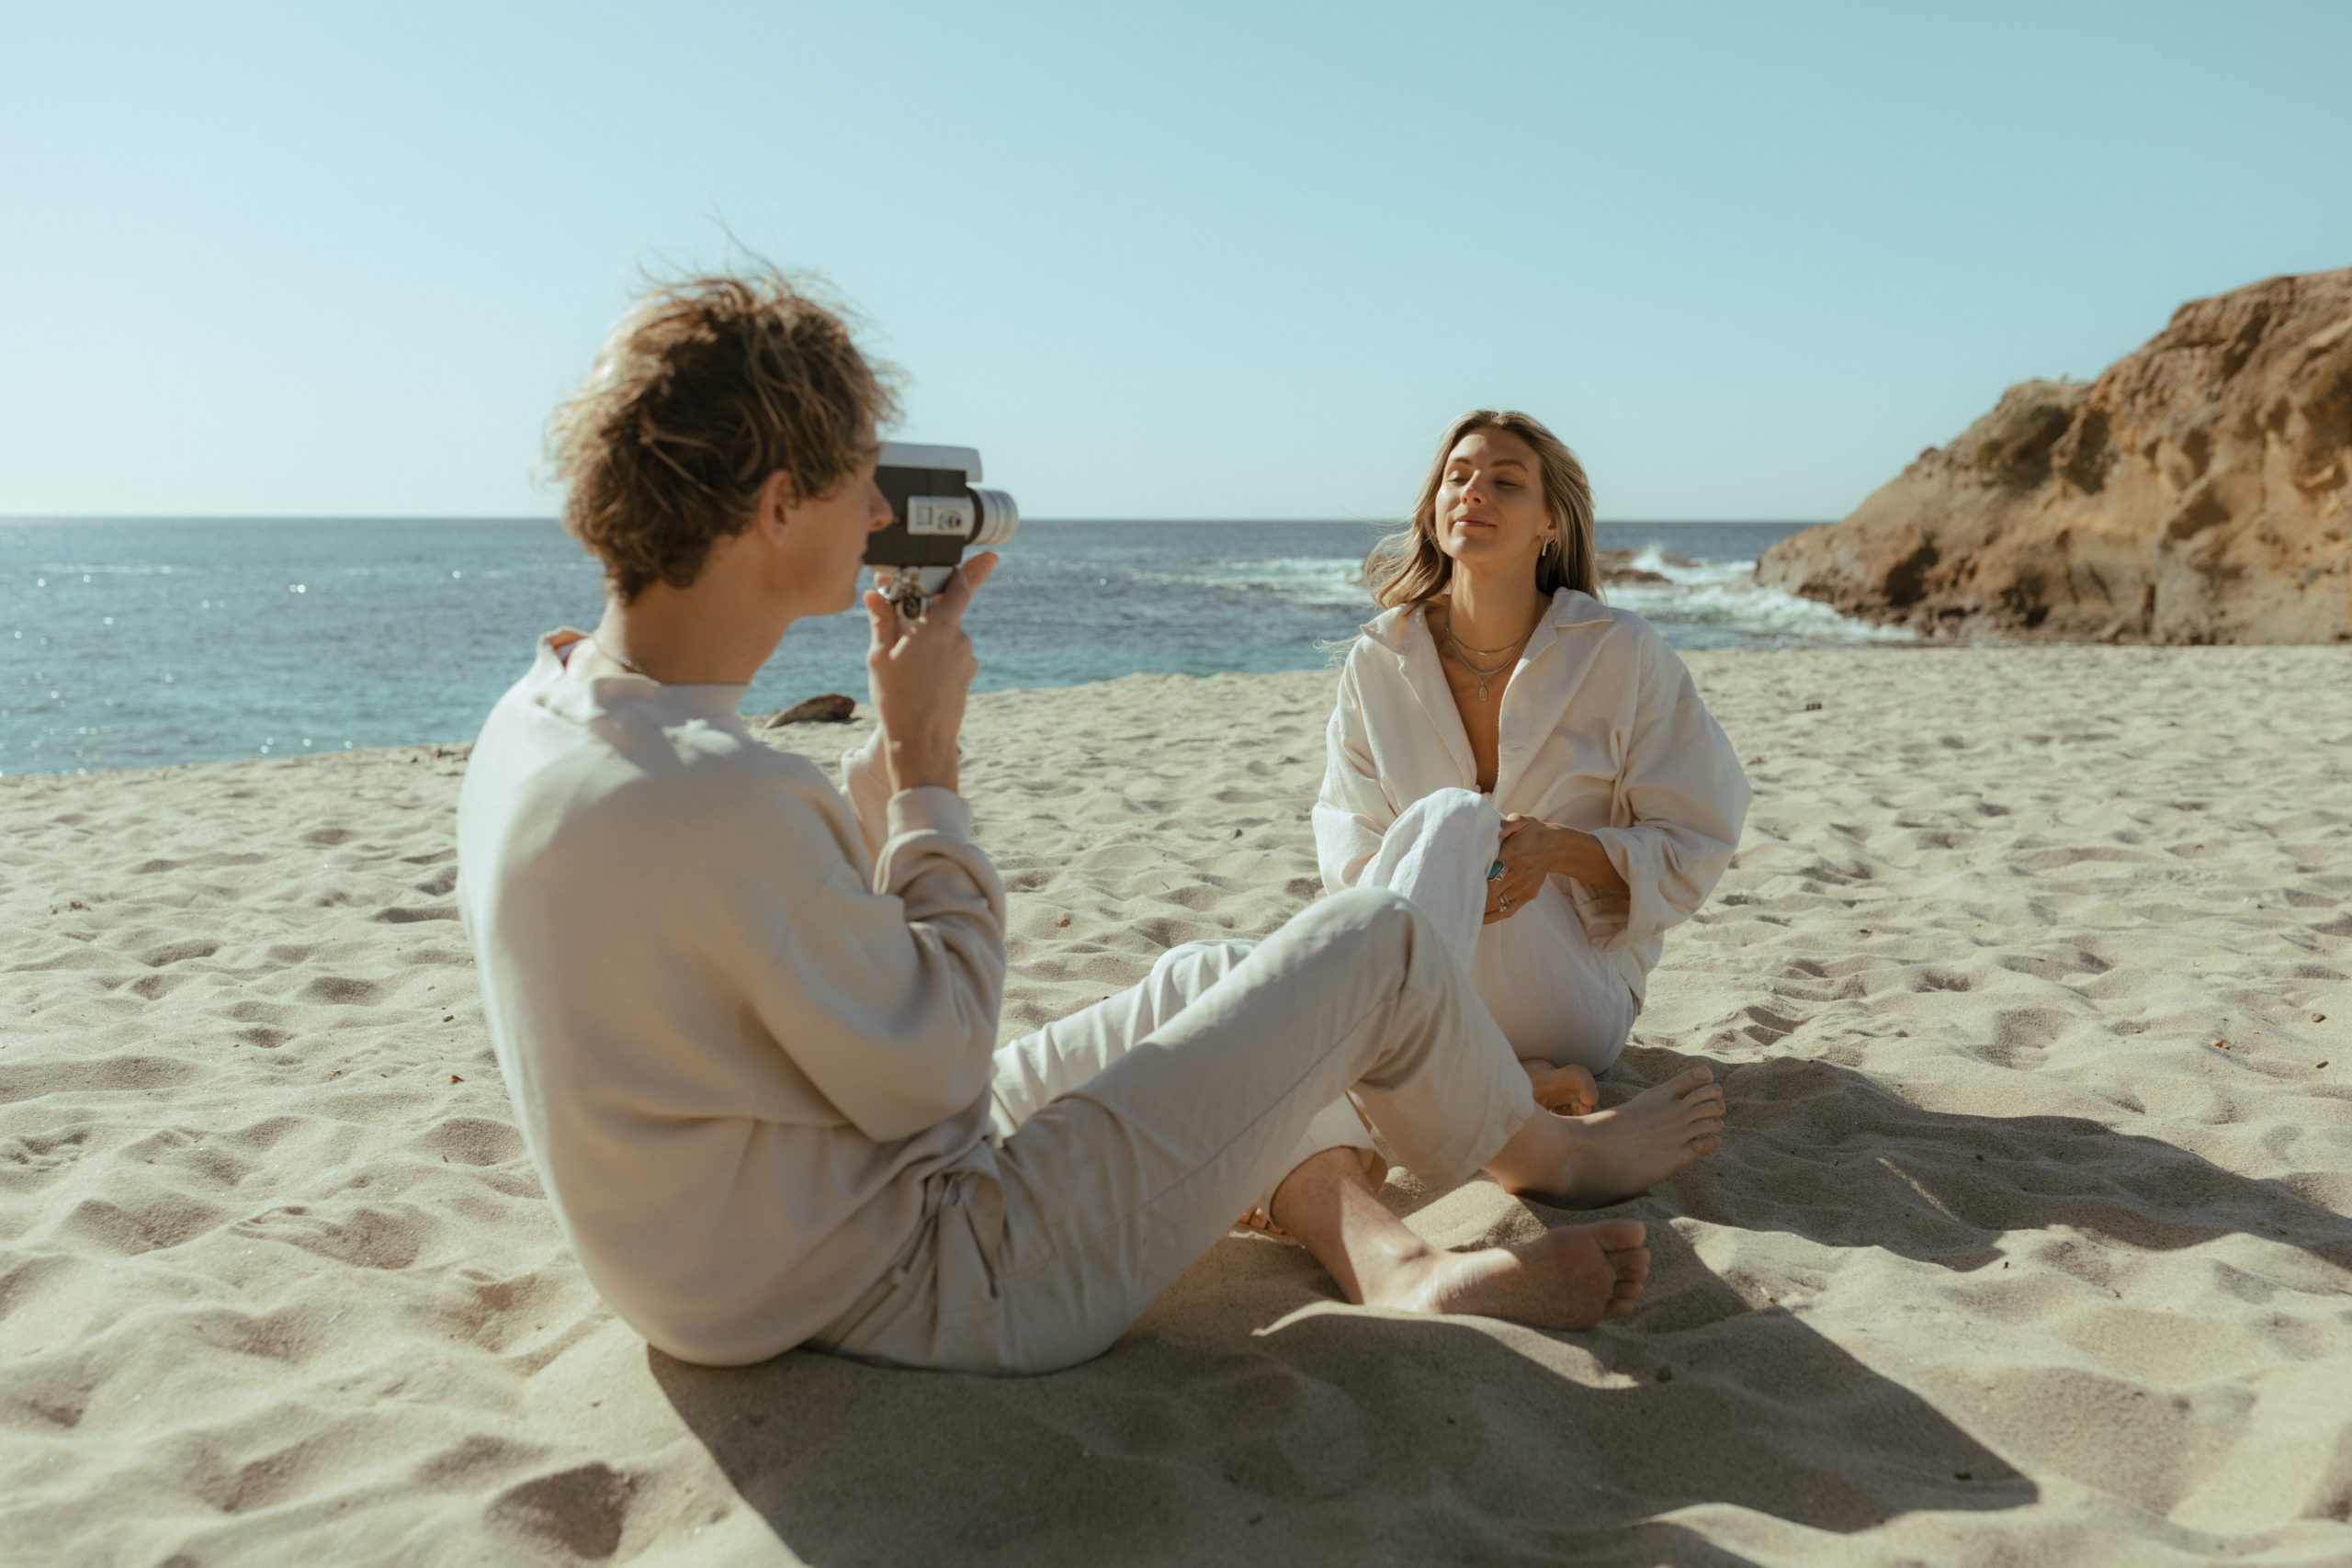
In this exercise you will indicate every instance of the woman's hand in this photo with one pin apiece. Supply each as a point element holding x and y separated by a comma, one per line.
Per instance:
<point>1526,854</point>
<point>918,675</point>
<point>1532,849</point>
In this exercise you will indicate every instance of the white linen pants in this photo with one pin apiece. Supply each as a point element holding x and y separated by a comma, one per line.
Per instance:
<point>1556,998</point>
<point>1131,1132</point>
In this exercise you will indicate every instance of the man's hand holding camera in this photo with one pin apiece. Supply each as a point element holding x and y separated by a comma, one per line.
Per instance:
<point>917,675</point>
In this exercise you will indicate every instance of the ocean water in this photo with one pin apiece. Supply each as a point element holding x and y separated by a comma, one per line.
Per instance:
<point>138,643</point>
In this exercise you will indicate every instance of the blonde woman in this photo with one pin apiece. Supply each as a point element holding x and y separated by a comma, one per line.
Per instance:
<point>1535,772</point>
<point>1505,742</point>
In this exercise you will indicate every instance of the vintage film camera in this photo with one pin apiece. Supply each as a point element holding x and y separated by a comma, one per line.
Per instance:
<point>938,509</point>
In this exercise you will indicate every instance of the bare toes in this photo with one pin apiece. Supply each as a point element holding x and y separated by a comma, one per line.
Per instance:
<point>1621,1235</point>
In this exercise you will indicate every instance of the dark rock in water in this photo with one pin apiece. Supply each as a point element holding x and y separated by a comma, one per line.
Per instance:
<point>2199,492</point>
<point>1617,567</point>
<point>830,708</point>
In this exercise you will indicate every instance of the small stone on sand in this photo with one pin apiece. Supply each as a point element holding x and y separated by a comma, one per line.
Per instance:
<point>830,708</point>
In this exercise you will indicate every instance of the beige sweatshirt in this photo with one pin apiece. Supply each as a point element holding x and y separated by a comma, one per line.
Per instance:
<point>1599,728</point>
<point>736,1038</point>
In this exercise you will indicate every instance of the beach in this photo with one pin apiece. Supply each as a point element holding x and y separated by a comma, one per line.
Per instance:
<point>2028,1242</point>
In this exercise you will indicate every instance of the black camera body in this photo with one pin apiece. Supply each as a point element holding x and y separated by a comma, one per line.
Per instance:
<point>938,509</point>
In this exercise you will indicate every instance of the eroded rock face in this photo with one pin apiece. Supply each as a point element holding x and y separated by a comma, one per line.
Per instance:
<point>2200,491</point>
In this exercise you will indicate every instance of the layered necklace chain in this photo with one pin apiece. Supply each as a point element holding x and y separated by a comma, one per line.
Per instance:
<point>1461,647</point>
<point>1462,652</point>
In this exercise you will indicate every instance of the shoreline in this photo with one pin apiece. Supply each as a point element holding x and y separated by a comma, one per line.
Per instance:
<point>2029,1240</point>
<point>1697,659</point>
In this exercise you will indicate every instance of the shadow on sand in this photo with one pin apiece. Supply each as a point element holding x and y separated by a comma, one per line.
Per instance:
<point>1831,1153</point>
<point>1336,1435</point>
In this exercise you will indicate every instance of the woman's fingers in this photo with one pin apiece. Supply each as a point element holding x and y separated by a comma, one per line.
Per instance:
<point>1518,855</point>
<point>1510,893</point>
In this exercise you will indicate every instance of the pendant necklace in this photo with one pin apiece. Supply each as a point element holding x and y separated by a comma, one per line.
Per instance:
<point>1464,655</point>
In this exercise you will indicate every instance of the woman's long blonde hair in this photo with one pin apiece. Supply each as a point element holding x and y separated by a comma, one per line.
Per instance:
<point>1408,568</point>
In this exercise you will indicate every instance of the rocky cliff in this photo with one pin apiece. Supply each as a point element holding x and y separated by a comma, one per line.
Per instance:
<point>2200,491</point>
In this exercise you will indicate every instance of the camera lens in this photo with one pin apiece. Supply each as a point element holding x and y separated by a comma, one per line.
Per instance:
<point>998,519</point>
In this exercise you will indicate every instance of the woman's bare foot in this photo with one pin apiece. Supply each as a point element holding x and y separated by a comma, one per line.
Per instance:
<point>1587,1161</point>
<point>1570,1278</point>
<point>1564,1091</point>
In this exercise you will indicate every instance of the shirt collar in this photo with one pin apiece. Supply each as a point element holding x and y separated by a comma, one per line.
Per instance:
<point>1569,608</point>
<point>606,693</point>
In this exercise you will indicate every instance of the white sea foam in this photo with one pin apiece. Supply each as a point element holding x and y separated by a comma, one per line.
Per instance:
<point>1306,580</point>
<point>1723,596</point>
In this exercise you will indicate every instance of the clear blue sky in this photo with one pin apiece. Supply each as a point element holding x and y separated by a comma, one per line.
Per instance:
<point>1197,261</point>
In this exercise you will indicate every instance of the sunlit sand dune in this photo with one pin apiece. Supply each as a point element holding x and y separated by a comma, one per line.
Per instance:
<point>2028,1242</point>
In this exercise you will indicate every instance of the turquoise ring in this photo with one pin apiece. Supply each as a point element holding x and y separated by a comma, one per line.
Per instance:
<point>1494,871</point>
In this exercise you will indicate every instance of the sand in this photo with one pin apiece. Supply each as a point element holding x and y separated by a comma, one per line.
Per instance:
<point>2028,1242</point>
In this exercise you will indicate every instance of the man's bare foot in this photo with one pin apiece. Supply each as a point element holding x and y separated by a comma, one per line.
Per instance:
<point>1570,1278</point>
<point>1587,1161</point>
<point>1564,1091</point>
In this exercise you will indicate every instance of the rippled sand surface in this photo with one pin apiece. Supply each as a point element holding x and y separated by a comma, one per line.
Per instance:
<point>2028,1242</point>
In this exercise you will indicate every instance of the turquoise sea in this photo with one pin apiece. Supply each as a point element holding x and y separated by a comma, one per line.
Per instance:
<point>132,643</point>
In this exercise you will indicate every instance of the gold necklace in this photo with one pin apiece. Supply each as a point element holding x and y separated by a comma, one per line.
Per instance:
<point>1462,651</point>
<point>1483,675</point>
<point>1485,652</point>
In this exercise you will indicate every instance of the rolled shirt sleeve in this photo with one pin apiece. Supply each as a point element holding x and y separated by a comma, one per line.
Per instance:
<point>1353,811</point>
<point>1686,797</point>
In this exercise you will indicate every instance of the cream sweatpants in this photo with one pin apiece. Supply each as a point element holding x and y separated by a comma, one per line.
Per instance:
<point>1129,1134</point>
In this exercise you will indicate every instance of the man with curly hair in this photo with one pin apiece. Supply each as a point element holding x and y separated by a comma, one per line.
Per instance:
<point>749,1025</point>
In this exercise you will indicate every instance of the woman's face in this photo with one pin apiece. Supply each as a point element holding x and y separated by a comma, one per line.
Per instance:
<point>1490,501</point>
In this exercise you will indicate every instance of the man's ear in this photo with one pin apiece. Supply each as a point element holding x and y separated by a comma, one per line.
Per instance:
<point>772,513</point>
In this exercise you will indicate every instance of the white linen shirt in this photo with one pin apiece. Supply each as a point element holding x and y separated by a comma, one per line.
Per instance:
<point>1600,729</point>
<point>743,1025</point>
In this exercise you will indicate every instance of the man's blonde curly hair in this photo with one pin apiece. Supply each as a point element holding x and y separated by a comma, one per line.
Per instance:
<point>705,388</point>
